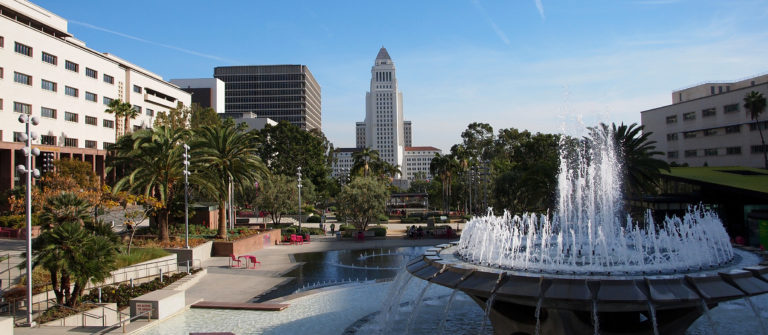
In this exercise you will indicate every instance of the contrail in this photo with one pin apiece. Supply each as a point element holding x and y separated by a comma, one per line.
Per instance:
<point>168,46</point>
<point>540,7</point>
<point>495,27</point>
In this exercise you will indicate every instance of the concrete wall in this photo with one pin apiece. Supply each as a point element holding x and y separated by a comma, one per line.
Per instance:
<point>164,303</point>
<point>195,255</point>
<point>105,315</point>
<point>6,325</point>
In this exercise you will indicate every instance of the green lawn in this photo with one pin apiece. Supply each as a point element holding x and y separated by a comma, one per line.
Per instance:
<point>721,176</point>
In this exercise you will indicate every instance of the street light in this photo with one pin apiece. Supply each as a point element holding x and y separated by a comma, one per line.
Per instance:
<point>186,195</point>
<point>299,186</point>
<point>27,170</point>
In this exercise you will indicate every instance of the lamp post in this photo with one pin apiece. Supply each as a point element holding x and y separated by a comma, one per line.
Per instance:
<point>28,172</point>
<point>186,195</point>
<point>299,186</point>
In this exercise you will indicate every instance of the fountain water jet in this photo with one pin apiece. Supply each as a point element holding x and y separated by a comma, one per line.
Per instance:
<point>588,263</point>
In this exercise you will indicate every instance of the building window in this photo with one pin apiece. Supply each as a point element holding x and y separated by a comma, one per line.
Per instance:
<point>70,142</point>
<point>137,89</point>
<point>48,58</point>
<point>689,134</point>
<point>90,144</point>
<point>70,91</point>
<point>709,112</point>
<point>23,49</point>
<point>732,108</point>
<point>759,149</point>
<point>48,85</point>
<point>17,136</point>
<point>672,154</point>
<point>22,78</point>
<point>47,140</point>
<point>2,45</point>
<point>672,137</point>
<point>710,132</point>
<point>108,123</point>
<point>71,66</point>
<point>150,112</point>
<point>89,72</point>
<point>689,116</point>
<point>690,153</point>
<point>733,151</point>
<point>106,100</point>
<point>19,107</point>
<point>109,79</point>
<point>710,152</point>
<point>71,117</point>
<point>763,126</point>
<point>90,120</point>
<point>90,96</point>
<point>1,73</point>
<point>48,112</point>
<point>672,119</point>
<point>733,129</point>
<point>137,109</point>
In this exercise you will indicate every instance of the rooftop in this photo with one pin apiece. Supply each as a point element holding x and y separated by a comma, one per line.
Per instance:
<point>421,149</point>
<point>383,54</point>
<point>730,176</point>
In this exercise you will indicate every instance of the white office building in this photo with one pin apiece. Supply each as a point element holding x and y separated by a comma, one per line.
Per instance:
<point>707,124</point>
<point>417,161</point>
<point>46,72</point>
<point>343,162</point>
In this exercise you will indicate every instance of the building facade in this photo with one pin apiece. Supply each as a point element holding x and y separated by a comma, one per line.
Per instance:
<point>407,134</point>
<point>206,92</point>
<point>384,125</point>
<point>279,92</point>
<point>417,161</point>
<point>46,72</point>
<point>708,125</point>
<point>360,134</point>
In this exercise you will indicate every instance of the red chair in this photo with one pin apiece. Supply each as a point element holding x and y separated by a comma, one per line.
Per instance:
<point>299,239</point>
<point>235,260</point>
<point>253,260</point>
<point>294,240</point>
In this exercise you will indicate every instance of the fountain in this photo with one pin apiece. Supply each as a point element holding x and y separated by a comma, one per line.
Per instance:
<point>588,269</point>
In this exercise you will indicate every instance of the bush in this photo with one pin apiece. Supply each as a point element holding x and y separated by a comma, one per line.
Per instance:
<point>410,220</point>
<point>312,231</point>
<point>347,227</point>
<point>288,231</point>
<point>314,219</point>
<point>332,208</point>
<point>17,221</point>
<point>379,231</point>
<point>383,218</point>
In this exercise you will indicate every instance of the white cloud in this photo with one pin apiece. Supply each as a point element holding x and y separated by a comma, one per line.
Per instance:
<point>540,7</point>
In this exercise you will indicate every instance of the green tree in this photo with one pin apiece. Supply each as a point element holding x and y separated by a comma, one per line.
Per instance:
<point>754,102</point>
<point>224,155</point>
<point>154,155</point>
<point>285,147</point>
<point>362,161</point>
<point>203,116</point>
<point>641,171</point>
<point>177,118</point>
<point>477,140</point>
<point>121,110</point>
<point>65,207</point>
<point>362,201</point>
<point>445,167</point>
<point>277,195</point>
<point>72,254</point>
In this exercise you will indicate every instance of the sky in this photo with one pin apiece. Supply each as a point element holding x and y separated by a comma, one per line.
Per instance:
<point>541,65</point>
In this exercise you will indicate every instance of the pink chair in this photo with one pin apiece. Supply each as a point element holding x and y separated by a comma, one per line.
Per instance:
<point>235,260</point>
<point>253,260</point>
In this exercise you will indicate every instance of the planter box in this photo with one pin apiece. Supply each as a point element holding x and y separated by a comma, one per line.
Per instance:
<point>164,303</point>
<point>246,245</point>
<point>195,255</point>
<point>102,316</point>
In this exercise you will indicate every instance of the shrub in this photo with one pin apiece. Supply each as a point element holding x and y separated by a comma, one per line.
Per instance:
<point>314,219</point>
<point>17,221</point>
<point>347,227</point>
<point>379,231</point>
<point>139,255</point>
<point>383,218</point>
<point>332,208</point>
<point>288,231</point>
<point>410,220</point>
<point>312,231</point>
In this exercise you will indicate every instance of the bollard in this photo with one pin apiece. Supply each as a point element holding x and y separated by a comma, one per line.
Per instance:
<point>131,279</point>
<point>188,267</point>
<point>99,294</point>
<point>161,274</point>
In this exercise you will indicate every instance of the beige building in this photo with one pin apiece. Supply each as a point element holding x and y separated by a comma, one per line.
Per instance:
<point>707,124</point>
<point>46,72</point>
<point>417,160</point>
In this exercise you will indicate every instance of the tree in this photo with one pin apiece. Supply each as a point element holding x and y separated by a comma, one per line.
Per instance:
<point>121,110</point>
<point>226,155</point>
<point>285,147</point>
<point>203,116</point>
<point>444,167</point>
<point>154,155</point>
<point>362,161</point>
<point>478,140</point>
<point>754,102</point>
<point>178,117</point>
<point>277,195</point>
<point>65,207</point>
<point>362,201</point>
<point>71,253</point>
<point>641,171</point>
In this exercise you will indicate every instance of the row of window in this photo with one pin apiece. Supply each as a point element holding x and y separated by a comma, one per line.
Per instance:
<point>705,113</point>
<point>68,64</point>
<point>47,85</point>
<point>20,107</point>
<point>729,151</point>
<point>735,129</point>
<point>246,93</point>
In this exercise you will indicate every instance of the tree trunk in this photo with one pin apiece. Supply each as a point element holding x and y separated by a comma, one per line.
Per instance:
<point>56,287</point>
<point>76,293</point>
<point>65,284</point>
<point>762,139</point>
<point>222,219</point>
<point>162,225</point>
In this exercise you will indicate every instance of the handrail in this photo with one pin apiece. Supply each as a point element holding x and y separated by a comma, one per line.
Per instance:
<point>122,323</point>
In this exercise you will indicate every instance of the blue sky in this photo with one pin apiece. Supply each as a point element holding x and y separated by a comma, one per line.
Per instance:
<point>541,65</point>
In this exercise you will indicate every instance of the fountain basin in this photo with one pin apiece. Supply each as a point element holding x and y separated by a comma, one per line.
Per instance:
<point>576,303</point>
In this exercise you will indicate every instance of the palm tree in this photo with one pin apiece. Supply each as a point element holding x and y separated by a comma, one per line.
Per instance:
<point>641,171</point>
<point>155,157</point>
<point>444,166</point>
<point>71,253</point>
<point>65,207</point>
<point>362,160</point>
<point>130,114</point>
<point>754,102</point>
<point>226,154</point>
<point>120,109</point>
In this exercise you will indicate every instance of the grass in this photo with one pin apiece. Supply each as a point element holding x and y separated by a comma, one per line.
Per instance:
<point>139,255</point>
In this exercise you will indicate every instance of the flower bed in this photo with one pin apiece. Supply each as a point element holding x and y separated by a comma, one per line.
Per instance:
<point>58,312</point>
<point>123,293</point>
